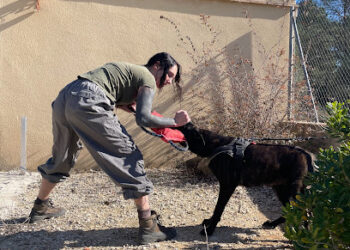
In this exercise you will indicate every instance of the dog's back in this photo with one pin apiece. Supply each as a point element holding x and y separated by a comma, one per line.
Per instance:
<point>273,165</point>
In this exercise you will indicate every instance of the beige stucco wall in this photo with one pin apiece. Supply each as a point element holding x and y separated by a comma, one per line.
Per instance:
<point>43,50</point>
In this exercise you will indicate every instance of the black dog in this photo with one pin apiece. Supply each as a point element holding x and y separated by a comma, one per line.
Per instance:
<point>279,166</point>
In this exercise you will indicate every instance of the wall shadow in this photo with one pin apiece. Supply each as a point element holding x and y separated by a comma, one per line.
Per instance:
<point>15,8</point>
<point>228,53</point>
<point>225,69</point>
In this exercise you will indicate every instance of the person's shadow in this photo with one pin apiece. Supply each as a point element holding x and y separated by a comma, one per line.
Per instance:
<point>118,237</point>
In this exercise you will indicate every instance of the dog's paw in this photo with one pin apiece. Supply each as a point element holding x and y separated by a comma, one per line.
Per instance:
<point>206,222</point>
<point>207,231</point>
<point>268,225</point>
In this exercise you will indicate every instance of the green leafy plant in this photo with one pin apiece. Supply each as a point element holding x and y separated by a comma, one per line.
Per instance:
<point>320,217</point>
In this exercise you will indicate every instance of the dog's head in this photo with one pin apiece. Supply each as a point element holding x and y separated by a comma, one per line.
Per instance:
<point>196,142</point>
<point>200,141</point>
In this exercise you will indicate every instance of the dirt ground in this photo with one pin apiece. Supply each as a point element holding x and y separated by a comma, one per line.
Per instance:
<point>98,217</point>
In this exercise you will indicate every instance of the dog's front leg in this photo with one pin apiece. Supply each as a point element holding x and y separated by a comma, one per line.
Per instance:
<point>224,196</point>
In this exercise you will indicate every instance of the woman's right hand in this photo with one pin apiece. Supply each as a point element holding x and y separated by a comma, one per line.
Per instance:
<point>181,118</point>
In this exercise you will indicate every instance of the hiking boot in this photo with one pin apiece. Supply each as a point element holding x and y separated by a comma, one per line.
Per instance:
<point>152,231</point>
<point>44,210</point>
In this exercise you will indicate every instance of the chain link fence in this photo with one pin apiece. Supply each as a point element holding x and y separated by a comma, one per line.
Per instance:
<point>320,65</point>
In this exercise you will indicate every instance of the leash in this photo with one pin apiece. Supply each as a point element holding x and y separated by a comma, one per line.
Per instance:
<point>286,139</point>
<point>171,142</point>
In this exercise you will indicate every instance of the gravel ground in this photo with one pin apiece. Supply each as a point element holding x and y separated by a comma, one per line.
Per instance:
<point>98,217</point>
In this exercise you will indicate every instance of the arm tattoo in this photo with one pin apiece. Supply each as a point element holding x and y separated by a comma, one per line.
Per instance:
<point>144,108</point>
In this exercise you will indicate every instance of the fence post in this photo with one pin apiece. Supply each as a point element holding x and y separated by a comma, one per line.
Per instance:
<point>291,64</point>
<point>304,66</point>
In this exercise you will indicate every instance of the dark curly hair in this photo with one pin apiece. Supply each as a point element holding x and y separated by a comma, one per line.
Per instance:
<point>166,61</point>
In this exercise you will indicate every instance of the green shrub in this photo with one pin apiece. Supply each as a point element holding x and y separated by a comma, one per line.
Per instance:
<point>320,217</point>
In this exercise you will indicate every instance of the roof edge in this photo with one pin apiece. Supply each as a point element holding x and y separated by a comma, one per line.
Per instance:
<point>281,3</point>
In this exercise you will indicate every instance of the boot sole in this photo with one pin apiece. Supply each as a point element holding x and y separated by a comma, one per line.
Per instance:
<point>35,218</point>
<point>146,239</point>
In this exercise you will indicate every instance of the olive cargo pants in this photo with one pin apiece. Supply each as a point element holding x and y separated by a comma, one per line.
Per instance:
<point>82,112</point>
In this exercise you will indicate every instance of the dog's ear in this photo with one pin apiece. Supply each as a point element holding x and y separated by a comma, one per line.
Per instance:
<point>185,128</point>
<point>189,126</point>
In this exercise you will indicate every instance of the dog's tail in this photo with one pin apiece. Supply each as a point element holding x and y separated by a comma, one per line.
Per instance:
<point>311,166</point>
<point>311,158</point>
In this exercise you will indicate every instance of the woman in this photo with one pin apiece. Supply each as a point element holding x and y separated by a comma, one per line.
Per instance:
<point>84,111</point>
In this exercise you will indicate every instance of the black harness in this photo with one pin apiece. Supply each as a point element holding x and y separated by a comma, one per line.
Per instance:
<point>235,149</point>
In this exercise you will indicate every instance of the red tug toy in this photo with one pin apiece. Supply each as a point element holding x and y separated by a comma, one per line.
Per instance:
<point>168,135</point>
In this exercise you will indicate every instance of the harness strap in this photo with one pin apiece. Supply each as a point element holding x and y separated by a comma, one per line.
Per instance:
<point>235,148</point>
